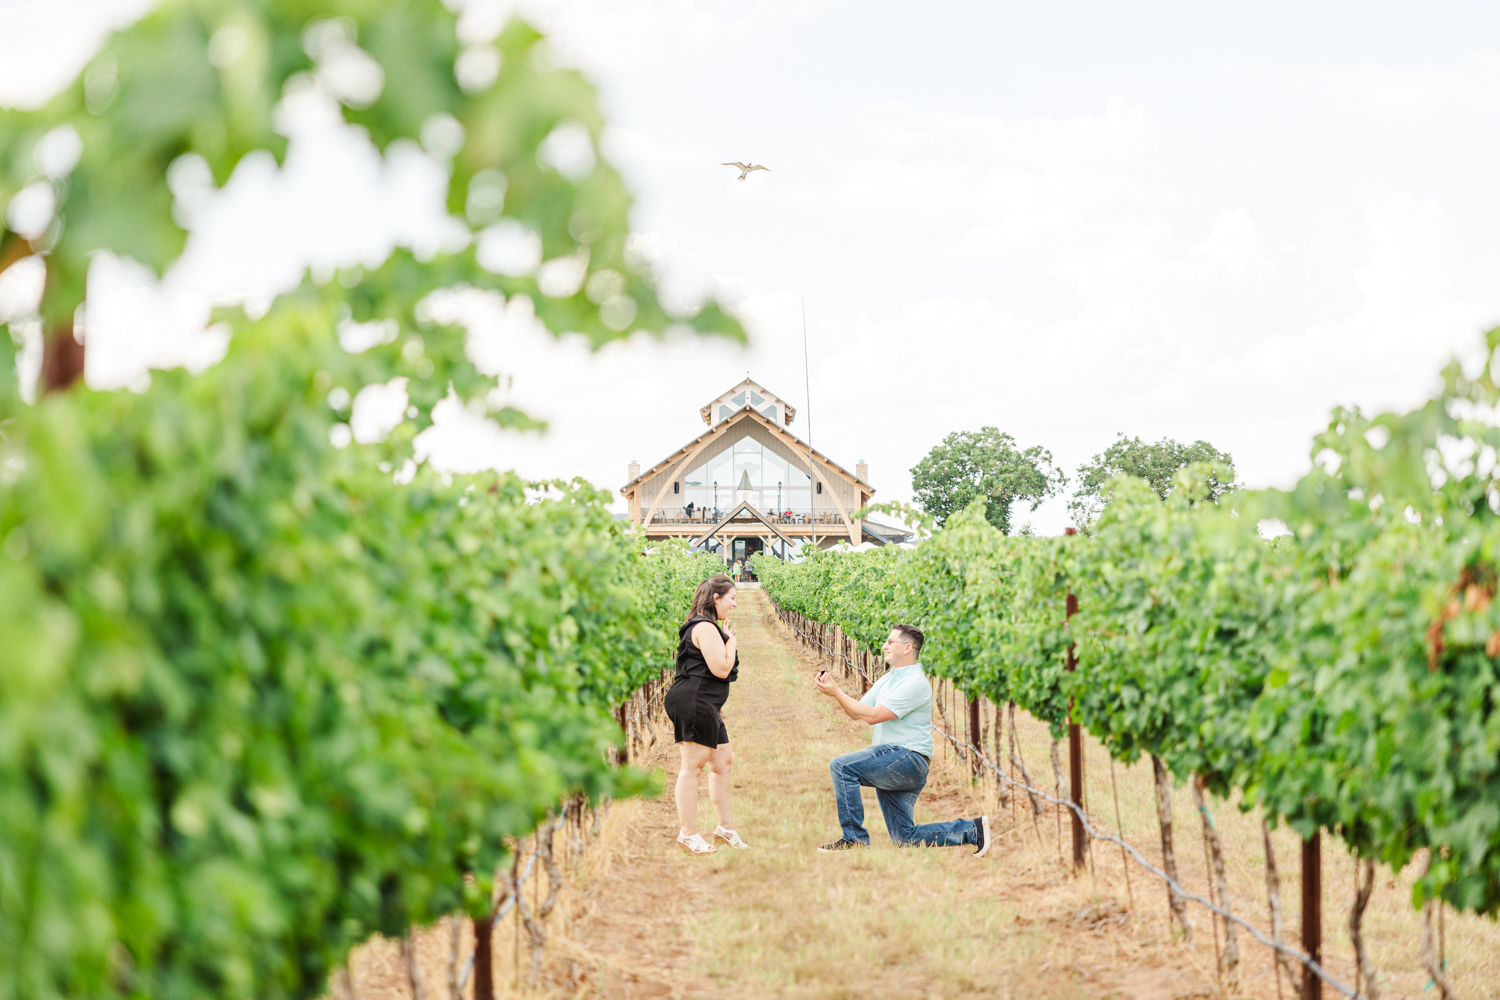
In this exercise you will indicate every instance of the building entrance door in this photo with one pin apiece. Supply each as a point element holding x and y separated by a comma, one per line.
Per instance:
<point>743,549</point>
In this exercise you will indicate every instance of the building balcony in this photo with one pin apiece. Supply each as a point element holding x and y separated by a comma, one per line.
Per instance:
<point>707,517</point>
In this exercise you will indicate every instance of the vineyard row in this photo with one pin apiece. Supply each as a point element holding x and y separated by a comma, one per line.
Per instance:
<point>1342,679</point>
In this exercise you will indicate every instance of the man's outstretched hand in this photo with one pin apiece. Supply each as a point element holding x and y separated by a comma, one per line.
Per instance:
<point>853,707</point>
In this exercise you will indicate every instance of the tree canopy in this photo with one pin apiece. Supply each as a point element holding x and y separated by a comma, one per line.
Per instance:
<point>984,463</point>
<point>1158,464</point>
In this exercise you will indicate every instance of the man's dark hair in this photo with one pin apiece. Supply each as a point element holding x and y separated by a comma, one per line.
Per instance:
<point>913,635</point>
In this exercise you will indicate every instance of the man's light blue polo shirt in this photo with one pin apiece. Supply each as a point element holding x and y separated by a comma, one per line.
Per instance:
<point>906,692</point>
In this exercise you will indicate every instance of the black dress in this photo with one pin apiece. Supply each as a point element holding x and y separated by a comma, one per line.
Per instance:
<point>696,695</point>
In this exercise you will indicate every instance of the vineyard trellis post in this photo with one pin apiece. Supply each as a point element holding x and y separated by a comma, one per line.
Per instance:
<point>623,751</point>
<point>1312,913</point>
<point>1075,742</point>
<point>975,739</point>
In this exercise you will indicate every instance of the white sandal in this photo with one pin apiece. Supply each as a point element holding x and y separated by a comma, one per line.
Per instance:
<point>695,844</point>
<point>731,838</point>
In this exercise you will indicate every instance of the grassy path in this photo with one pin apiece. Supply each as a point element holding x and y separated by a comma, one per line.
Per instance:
<point>641,919</point>
<point>781,920</point>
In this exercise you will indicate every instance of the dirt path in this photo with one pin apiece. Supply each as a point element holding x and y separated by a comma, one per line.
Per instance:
<point>781,920</point>
<point>641,919</point>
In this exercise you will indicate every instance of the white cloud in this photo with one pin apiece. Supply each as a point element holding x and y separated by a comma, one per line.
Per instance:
<point>626,33</point>
<point>1408,320</point>
<point>1027,182</point>
<point>1407,91</point>
<point>1213,254</point>
<point>628,146</point>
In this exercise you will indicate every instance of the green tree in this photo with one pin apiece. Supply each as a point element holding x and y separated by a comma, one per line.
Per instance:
<point>986,463</point>
<point>1158,464</point>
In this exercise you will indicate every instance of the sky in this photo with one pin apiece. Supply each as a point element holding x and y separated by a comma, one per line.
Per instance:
<point>1067,221</point>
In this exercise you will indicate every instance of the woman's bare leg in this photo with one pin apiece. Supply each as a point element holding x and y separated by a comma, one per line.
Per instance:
<point>718,784</point>
<point>694,756</point>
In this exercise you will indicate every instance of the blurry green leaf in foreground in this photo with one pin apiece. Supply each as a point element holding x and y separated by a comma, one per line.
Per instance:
<point>257,701</point>
<point>170,107</point>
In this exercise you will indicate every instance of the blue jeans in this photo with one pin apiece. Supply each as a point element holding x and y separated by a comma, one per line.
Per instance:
<point>897,775</point>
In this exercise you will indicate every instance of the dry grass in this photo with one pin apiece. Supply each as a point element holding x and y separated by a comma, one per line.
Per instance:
<point>1392,926</point>
<point>640,919</point>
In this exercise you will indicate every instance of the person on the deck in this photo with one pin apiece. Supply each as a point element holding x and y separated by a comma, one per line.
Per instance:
<point>898,708</point>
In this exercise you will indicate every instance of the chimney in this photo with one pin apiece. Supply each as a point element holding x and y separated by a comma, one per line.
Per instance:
<point>633,470</point>
<point>862,471</point>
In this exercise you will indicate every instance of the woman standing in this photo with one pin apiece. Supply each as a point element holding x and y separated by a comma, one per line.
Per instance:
<point>707,663</point>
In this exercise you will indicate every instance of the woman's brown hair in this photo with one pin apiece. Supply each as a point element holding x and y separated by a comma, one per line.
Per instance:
<point>703,598</point>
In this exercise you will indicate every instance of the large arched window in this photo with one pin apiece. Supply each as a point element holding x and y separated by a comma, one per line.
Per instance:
<point>776,483</point>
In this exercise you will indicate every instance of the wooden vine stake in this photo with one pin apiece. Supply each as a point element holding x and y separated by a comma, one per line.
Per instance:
<point>1120,826</point>
<point>413,967</point>
<point>1273,900</point>
<point>455,932</point>
<point>1019,763</point>
<point>534,917</point>
<point>1229,959</point>
<point>1364,968</point>
<point>1057,781</point>
<point>1175,903</point>
<point>1431,960</point>
<point>1003,787</point>
<point>1312,913</point>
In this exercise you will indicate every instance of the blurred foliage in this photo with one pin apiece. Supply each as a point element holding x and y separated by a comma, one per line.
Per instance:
<point>984,463</point>
<point>258,701</point>
<point>200,81</point>
<point>1345,677</point>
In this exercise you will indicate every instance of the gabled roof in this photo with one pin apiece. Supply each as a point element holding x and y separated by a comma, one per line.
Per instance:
<point>792,441</point>
<point>884,534</point>
<point>743,505</point>
<point>707,410</point>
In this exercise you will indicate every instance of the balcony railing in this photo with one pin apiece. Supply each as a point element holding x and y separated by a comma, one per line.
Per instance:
<point>708,517</point>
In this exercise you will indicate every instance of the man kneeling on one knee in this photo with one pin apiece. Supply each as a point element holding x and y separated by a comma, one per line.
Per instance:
<point>899,711</point>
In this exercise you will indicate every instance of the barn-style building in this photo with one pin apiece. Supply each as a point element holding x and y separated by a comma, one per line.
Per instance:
<point>745,485</point>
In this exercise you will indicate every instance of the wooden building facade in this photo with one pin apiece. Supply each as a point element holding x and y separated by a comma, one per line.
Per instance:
<point>746,485</point>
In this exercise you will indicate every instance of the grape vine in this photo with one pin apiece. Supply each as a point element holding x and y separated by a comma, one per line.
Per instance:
<point>258,701</point>
<point>1343,677</point>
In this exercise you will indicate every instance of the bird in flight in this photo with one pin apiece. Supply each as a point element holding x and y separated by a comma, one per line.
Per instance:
<point>745,168</point>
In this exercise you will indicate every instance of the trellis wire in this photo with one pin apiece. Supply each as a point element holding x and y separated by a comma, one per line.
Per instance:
<point>1287,950</point>
<point>1316,968</point>
<point>501,914</point>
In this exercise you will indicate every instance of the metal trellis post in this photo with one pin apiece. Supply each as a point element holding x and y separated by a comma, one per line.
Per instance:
<point>1312,913</point>
<point>1075,747</point>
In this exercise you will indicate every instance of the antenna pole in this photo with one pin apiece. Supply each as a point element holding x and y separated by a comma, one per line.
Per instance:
<point>812,489</point>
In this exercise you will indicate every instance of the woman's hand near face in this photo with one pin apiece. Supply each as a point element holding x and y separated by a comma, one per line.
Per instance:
<point>718,654</point>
